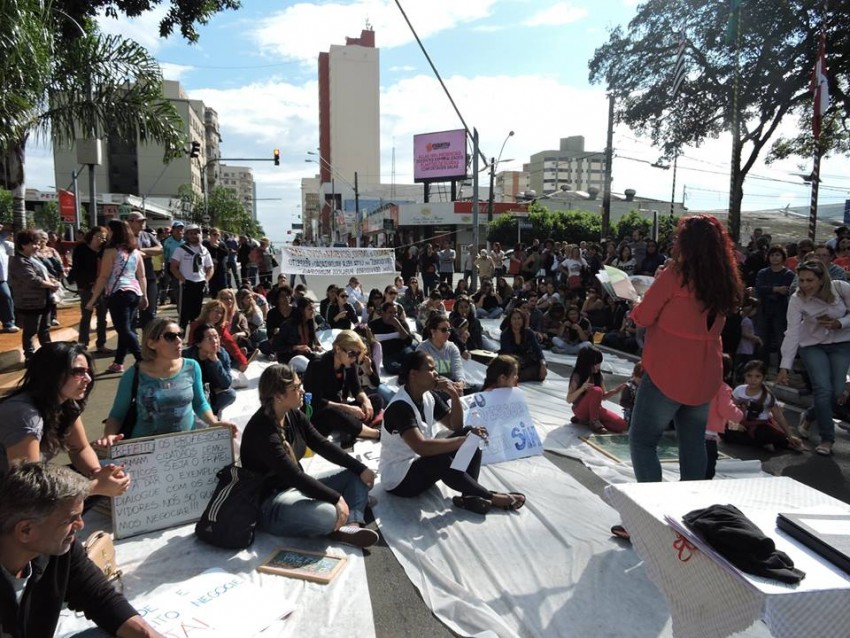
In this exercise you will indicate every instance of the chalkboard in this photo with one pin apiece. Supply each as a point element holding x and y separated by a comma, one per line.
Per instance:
<point>173,478</point>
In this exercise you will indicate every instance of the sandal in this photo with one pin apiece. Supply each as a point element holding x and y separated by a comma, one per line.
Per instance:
<point>825,448</point>
<point>474,504</point>
<point>621,532</point>
<point>516,501</point>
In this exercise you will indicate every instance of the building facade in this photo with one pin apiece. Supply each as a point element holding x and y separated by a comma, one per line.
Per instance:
<point>570,167</point>
<point>240,180</point>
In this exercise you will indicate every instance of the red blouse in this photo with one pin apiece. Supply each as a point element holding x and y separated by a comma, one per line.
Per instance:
<point>682,355</point>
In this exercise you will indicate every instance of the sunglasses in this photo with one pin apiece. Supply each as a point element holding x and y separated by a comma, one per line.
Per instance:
<point>343,296</point>
<point>443,329</point>
<point>171,337</point>
<point>393,292</point>
<point>81,372</point>
<point>353,354</point>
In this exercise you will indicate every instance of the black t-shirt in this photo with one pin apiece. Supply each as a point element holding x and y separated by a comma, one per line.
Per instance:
<point>399,417</point>
<point>390,346</point>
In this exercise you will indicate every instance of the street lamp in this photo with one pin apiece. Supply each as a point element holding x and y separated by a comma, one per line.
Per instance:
<point>493,163</point>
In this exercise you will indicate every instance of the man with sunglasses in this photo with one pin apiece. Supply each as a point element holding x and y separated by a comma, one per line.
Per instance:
<point>192,266</point>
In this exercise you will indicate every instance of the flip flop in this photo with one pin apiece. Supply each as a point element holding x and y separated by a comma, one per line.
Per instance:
<point>474,504</point>
<point>621,532</point>
<point>517,501</point>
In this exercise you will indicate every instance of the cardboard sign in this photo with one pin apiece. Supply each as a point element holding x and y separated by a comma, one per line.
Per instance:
<point>173,478</point>
<point>505,414</point>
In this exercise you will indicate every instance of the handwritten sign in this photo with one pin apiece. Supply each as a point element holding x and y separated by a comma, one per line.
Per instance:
<point>505,414</point>
<point>336,261</point>
<point>212,605</point>
<point>173,477</point>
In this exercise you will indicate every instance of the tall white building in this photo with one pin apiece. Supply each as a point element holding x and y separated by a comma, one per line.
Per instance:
<point>569,167</point>
<point>240,180</point>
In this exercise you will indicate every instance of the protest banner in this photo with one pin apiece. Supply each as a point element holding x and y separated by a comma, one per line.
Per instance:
<point>173,477</point>
<point>505,414</point>
<point>298,260</point>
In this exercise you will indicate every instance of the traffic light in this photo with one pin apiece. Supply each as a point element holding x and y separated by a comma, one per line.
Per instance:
<point>277,157</point>
<point>196,150</point>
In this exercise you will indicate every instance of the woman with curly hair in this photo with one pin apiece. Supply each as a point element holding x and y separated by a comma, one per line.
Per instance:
<point>684,313</point>
<point>43,415</point>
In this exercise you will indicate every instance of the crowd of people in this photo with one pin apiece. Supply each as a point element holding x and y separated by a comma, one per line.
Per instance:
<point>708,331</point>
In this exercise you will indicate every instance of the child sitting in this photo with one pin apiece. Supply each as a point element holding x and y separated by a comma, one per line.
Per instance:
<point>721,411</point>
<point>587,390</point>
<point>750,341</point>
<point>763,424</point>
<point>629,393</point>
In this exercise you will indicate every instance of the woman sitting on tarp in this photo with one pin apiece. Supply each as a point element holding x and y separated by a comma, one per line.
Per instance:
<point>43,415</point>
<point>502,372</point>
<point>520,341</point>
<point>413,459</point>
<point>587,391</point>
<point>297,335</point>
<point>339,403</point>
<point>296,504</point>
<point>214,360</point>
<point>446,355</point>
<point>168,390</point>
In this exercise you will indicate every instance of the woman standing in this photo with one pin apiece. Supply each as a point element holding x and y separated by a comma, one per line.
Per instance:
<point>520,341</point>
<point>819,328</point>
<point>220,255</point>
<point>86,260</point>
<point>408,264</point>
<point>684,312</point>
<point>428,263</point>
<point>339,402</point>
<point>43,416</point>
<point>32,287</point>
<point>295,503</point>
<point>773,286</point>
<point>170,391</point>
<point>122,280</point>
<point>52,260</point>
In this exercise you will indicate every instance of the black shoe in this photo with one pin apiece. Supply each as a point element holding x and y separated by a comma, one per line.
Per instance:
<point>355,536</point>
<point>475,504</point>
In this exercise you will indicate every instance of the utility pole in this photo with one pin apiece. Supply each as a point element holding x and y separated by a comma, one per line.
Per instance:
<point>609,157</point>
<point>475,238</point>
<point>357,212</point>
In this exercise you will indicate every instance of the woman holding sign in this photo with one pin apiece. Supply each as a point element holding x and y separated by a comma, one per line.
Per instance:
<point>168,388</point>
<point>296,503</point>
<point>43,416</point>
<point>413,460</point>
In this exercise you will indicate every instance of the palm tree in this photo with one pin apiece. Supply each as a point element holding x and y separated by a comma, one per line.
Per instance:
<point>93,86</point>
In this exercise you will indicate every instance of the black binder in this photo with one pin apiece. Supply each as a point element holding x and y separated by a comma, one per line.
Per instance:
<point>835,547</point>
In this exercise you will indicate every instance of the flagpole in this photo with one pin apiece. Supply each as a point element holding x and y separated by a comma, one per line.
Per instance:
<point>673,194</point>
<point>813,210</point>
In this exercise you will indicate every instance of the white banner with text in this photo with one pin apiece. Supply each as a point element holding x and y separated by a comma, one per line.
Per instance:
<point>298,260</point>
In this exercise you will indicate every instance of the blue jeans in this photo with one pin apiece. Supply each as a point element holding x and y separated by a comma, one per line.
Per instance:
<point>494,313</point>
<point>571,348</point>
<point>122,306</point>
<point>827,367</point>
<point>290,513</point>
<point>651,415</point>
<point>85,319</point>
<point>7,306</point>
<point>220,400</point>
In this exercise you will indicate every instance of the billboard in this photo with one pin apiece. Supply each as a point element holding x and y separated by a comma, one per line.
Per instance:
<point>439,156</point>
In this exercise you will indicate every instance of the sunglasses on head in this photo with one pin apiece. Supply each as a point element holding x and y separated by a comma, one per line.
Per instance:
<point>171,337</point>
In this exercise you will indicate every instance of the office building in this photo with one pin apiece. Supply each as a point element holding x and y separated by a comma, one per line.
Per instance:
<point>569,167</point>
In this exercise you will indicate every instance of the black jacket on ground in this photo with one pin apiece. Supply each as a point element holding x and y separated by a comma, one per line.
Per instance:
<point>70,578</point>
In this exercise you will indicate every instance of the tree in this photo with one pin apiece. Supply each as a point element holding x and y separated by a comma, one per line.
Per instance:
<point>47,216</point>
<point>756,80</point>
<point>92,85</point>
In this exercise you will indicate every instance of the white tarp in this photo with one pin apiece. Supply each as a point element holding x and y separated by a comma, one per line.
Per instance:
<point>336,261</point>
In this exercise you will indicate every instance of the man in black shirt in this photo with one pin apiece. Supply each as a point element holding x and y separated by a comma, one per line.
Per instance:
<point>42,563</point>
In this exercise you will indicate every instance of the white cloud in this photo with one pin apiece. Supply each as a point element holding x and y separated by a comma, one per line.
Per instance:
<point>171,71</point>
<point>300,31</point>
<point>144,29</point>
<point>559,13</point>
<point>404,68</point>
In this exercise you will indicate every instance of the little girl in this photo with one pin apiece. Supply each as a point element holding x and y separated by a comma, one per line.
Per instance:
<point>721,411</point>
<point>763,423</point>
<point>587,391</point>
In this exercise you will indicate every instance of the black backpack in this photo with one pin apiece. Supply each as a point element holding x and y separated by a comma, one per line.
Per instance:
<point>231,516</point>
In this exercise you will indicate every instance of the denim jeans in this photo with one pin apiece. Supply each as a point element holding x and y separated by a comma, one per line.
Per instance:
<point>7,306</point>
<point>827,367</point>
<point>290,513</point>
<point>122,306</point>
<point>652,413</point>
<point>32,323</point>
<point>571,348</point>
<point>220,400</point>
<point>494,313</point>
<point>85,319</point>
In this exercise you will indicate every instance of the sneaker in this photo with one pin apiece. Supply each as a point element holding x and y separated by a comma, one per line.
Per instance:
<point>115,368</point>
<point>11,329</point>
<point>55,322</point>
<point>355,536</point>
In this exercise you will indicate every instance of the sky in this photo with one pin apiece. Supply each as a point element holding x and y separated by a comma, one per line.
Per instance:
<point>516,65</point>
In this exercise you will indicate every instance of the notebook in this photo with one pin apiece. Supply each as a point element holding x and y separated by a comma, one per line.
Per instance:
<point>825,534</point>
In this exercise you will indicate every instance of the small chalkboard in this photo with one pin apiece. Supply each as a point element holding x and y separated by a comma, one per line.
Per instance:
<point>172,476</point>
<point>298,563</point>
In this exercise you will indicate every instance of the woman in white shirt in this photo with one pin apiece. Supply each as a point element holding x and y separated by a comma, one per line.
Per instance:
<point>819,327</point>
<point>625,261</point>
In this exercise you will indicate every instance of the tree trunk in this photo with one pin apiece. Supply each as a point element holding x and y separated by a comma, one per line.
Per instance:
<point>736,190</point>
<point>15,181</point>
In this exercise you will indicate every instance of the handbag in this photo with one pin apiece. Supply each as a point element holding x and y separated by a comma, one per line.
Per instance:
<point>230,518</point>
<point>101,551</point>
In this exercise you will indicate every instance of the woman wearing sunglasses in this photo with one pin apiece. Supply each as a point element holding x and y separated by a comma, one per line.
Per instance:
<point>446,355</point>
<point>340,314</point>
<point>170,392</point>
<point>37,422</point>
<point>339,402</point>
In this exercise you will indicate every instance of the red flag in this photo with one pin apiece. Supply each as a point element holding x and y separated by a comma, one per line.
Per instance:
<point>820,87</point>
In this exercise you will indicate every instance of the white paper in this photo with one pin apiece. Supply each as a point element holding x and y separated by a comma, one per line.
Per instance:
<point>464,455</point>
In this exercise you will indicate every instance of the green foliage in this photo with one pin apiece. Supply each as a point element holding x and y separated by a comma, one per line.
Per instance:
<point>5,207</point>
<point>571,226</point>
<point>47,217</point>
<point>628,223</point>
<point>770,63</point>
<point>226,211</point>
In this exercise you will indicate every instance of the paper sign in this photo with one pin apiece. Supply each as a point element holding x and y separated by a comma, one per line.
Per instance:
<point>464,455</point>
<point>511,432</point>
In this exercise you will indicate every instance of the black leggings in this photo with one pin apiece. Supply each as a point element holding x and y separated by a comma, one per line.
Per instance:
<point>331,420</point>
<point>427,470</point>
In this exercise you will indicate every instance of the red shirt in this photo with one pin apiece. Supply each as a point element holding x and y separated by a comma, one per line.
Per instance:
<point>682,356</point>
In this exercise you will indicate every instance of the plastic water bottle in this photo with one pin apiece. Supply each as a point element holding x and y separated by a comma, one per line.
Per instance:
<point>475,420</point>
<point>308,410</point>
